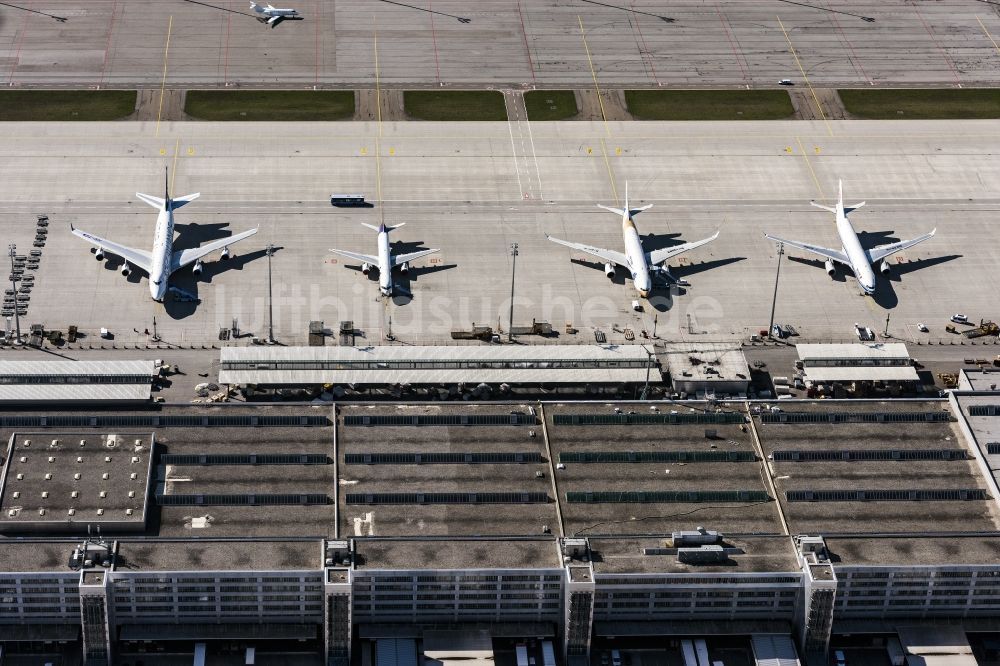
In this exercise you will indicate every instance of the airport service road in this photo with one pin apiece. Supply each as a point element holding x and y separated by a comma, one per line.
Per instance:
<point>472,189</point>
<point>512,43</point>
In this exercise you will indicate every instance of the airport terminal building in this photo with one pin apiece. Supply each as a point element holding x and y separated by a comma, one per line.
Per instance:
<point>332,529</point>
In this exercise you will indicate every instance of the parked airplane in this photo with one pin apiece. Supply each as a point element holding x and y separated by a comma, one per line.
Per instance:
<point>851,254</point>
<point>274,15</point>
<point>384,262</point>
<point>162,261</point>
<point>640,263</point>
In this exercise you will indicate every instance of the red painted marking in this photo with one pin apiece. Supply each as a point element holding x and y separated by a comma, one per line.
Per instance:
<point>437,64</point>
<point>527,49</point>
<point>855,60</point>
<point>20,43</point>
<point>107,46</point>
<point>645,48</point>
<point>732,43</point>
<point>944,53</point>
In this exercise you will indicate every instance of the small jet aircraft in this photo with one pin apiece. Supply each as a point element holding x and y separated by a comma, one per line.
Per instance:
<point>274,15</point>
<point>162,261</point>
<point>385,261</point>
<point>640,263</point>
<point>851,254</point>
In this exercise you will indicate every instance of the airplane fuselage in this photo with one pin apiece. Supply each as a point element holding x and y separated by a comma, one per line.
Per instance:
<point>163,244</point>
<point>860,265</point>
<point>384,264</point>
<point>636,257</point>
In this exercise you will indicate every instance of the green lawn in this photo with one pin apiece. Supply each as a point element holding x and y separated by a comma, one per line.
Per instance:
<point>66,104</point>
<point>273,105</point>
<point>550,104</point>
<point>455,104</point>
<point>709,104</point>
<point>947,103</point>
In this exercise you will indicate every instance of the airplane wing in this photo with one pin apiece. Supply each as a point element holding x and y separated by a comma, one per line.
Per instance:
<point>835,255</point>
<point>657,257</point>
<point>184,257</point>
<point>599,252</point>
<point>883,251</point>
<point>399,260</point>
<point>356,256</point>
<point>139,258</point>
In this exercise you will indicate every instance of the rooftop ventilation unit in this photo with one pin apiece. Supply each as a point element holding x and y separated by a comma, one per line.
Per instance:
<point>702,555</point>
<point>698,537</point>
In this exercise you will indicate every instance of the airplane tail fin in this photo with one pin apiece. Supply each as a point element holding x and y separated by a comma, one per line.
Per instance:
<point>626,211</point>
<point>257,8</point>
<point>840,199</point>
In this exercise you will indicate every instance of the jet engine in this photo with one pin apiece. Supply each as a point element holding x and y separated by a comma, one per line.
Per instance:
<point>830,268</point>
<point>884,267</point>
<point>99,255</point>
<point>609,270</point>
<point>404,267</point>
<point>198,268</point>
<point>366,268</point>
<point>226,254</point>
<point>126,269</point>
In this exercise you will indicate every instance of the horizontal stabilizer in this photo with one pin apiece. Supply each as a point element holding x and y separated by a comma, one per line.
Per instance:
<point>180,201</point>
<point>621,211</point>
<point>155,202</point>
<point>826,208</point>
<point>853,207</point>
<point>616,211</point>
<point>386,227</point>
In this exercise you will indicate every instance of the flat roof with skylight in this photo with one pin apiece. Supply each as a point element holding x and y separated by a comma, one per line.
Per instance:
<point>68,482</point>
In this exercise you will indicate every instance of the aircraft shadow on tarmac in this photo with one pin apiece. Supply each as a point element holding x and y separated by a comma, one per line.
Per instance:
<point>192,235</point>
<point>885,293</point>
<point>664,290</point>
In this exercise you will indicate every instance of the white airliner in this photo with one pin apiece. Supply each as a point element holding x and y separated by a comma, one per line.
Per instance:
<point>639,262</point>
<point>851,254</point>
<point>384,262</point>
<point>162,261</point>
<point>274,15</point>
